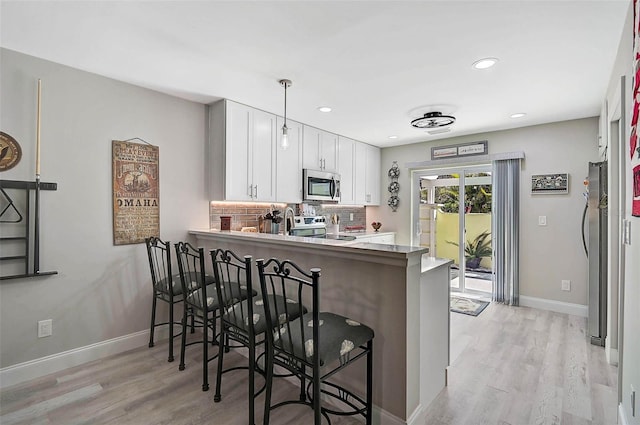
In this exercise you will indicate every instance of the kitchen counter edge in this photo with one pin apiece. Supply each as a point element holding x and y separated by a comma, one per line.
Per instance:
<point>374,249</point>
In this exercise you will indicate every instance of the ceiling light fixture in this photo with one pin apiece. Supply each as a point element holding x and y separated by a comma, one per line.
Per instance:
<point>284,141</point>
<point>324,109</point>
<point>484,63</point>
<point>393,137</point>
<point>518,115</point>
<point>433,120</point>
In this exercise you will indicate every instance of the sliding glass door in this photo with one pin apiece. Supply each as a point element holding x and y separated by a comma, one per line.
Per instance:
<point>455,222</point>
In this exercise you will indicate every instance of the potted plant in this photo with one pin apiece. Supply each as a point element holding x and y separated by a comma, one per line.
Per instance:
<point>273,219</point>
<point>477,249</point>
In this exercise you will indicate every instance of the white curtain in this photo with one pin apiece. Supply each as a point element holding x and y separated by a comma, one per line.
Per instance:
<point>506,230</point>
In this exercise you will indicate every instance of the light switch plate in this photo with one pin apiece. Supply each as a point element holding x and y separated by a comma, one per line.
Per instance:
<point>45,328</point>
<point>542,220</point>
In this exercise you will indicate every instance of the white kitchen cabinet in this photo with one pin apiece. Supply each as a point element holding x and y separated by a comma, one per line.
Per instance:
<point>360,173</point>
<point>242,153</point>
<point>366,174</point>
<point>320,149</point>
<point>289,163</point>
<point>372,181</point>
<point>345,169</point>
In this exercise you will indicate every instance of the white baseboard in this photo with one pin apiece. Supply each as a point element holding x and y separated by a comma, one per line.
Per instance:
<point>418,417</point>
<point>622,419</point>
<point>557,306</point>
<point>37,368</point>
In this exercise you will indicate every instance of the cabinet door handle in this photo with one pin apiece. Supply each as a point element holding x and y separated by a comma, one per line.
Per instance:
<point>256,186</point>
<point>250,191</point>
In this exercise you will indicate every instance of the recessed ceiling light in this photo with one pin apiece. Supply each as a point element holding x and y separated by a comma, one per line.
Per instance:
<point>484,63</point>
<point>324,109</point>
<point>518,115</point>
<point>393,137</point>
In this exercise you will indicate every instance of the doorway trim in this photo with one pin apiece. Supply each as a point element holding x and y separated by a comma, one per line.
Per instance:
<point>462,182</point>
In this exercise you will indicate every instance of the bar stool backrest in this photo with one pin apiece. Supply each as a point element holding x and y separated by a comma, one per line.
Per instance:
<point>159,253</point>
<point>298,287</point>
<point>192,276</point>
<point>232,272</point>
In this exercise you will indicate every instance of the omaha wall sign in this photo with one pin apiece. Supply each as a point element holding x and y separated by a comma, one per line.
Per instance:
<point>136,191</point>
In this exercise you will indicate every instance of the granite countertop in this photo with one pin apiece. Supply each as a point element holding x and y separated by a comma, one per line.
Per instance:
<point>342,245</point>
<point>431,263</point>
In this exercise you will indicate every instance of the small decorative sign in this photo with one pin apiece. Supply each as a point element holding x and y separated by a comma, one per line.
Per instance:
<point>461,150</point>
<point>10,152</point>
<point>136,202</point>
<point>557,183</point>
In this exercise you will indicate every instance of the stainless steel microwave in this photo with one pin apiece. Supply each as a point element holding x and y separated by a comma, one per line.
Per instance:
<point>321,186</point>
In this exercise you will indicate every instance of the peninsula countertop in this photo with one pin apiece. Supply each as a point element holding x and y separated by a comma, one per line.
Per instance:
<point>336,246</point>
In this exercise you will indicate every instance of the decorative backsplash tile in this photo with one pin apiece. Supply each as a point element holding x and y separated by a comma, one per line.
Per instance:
<point>247,214</point>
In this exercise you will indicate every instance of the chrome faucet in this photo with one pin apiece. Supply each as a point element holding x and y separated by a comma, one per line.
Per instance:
<point>288,226</point>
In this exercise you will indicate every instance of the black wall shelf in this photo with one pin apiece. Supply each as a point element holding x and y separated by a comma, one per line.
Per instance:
<point>27,238</point>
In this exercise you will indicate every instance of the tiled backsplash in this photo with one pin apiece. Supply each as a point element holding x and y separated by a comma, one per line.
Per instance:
<point>246,214</point>
<point>242,214</point>
<point>359,215</point>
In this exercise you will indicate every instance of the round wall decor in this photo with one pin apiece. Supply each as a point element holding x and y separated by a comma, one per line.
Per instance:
<point>10,152</point>
<point>394,186</point>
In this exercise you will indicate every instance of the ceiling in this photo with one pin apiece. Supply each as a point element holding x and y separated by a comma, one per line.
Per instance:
<point>378,64</point>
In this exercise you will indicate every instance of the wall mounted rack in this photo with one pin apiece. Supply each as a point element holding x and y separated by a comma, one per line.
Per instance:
<point>10,214</point>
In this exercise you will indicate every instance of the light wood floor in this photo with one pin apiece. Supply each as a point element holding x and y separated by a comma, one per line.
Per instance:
<point>510,365</point>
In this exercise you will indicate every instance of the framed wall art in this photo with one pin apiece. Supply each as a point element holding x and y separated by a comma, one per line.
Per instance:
<point>136,200</point>
<point>557,183</point>
<point>634,145</point>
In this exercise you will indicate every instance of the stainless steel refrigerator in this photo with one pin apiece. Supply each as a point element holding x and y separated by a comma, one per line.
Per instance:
<point>594,239</point>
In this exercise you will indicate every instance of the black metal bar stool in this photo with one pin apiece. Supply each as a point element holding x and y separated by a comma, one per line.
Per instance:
<point>199,294</point>
<point>314,346</point>
<point>243,322</point>
<point>166,287</point>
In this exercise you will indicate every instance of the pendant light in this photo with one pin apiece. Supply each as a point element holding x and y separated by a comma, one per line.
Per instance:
<point>284,141</point>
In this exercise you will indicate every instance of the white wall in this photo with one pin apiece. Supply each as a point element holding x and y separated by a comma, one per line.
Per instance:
<point>102,291</point>
<point>548,254</point>
<point>630,281</point>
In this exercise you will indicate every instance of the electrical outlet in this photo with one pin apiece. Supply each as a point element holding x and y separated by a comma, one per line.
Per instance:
<point>350,216</point>
<point>45,328</point>
<point>566,285</point>
<point>542,220</point>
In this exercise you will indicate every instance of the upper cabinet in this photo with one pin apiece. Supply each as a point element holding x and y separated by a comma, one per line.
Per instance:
<point>289,163</point>
<point>372,187</point>
<point>246,162</point>
<point>242,153</point>
<point>320,149</point>
<point>366,174</point>
<point>345,169</point>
